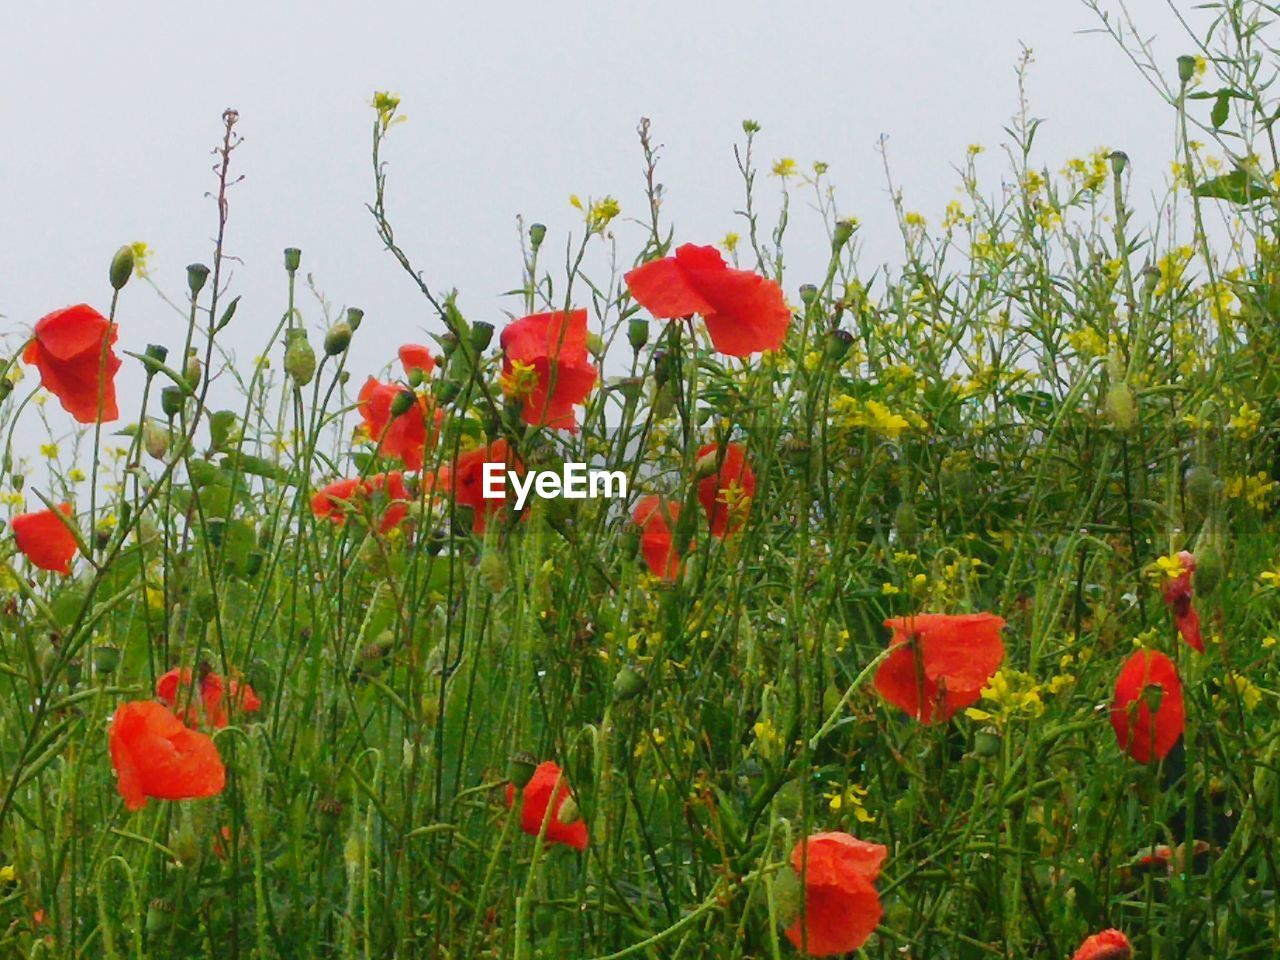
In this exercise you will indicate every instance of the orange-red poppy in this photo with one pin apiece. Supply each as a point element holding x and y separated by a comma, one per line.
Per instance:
<point>1148,679</point>
<point>841,905</point>
<point>1178,595</point>
<point>726,494</point>
<point>175,687</point>
<point>415,356</point>
<point>655,518</point>
<point>45,540</point>
<point>548,788</point>
<point>1107,945</point>
<point>939,662</point>
<point>745,313</point>
<point>155,755</point>
<point>555,346</point>
<point>72,351</point>
<point>463,481</point>
<point>333,500</point>
<point>407,436</point>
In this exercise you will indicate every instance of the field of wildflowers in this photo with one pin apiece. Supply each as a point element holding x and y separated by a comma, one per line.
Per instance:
<point>939,619</point>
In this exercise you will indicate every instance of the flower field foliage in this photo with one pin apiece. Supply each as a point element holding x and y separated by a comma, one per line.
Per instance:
<point>939,621</point>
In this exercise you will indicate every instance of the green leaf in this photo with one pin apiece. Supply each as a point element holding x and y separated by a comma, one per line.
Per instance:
<point>1235,187</point>
<point>1221,109</point>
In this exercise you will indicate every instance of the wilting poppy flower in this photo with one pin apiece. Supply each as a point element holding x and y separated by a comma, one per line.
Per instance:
<point>45,540</point>
<point>464,482</point>
<point>406,436</point>
<point>557,373</point>
<point>841,905</point>
<point>1177,594</point>
<point>1107,945</point>
<point>72,351</point>
<point>548,788</point>
<point>726,494</point>
<point>175,686</point>
<point>154,755</point>
<point>655,517</point>
<point>415,356</point>
<point>745,313</point>
<point>333,500</point>
<point>1148,679</point>
<point>939,662</point>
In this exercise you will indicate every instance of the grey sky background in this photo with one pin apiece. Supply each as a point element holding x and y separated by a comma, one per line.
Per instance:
<point>111,110</point>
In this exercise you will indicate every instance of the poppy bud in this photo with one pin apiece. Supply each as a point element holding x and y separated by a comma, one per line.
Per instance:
<point>841,235</point>
<point>403,402</point>
<point>594,343</point>
<point>1201,485</point>
<point>105,659</point>
<point>1153,695</point>
<point>637,333</point>
<point>987,742</point>
<point>354,317</point>
<point>156,439</point>
<point>568,811</point>
<point>197,274</point>
<point>447,390</point>
<point>121,268</point>
<point>337,339</point>
<point>1186,68</point>
<point>838,344</point>
<point>1208,568</point>
<point>292,258</point>
<point>788,894</point>
<point>171,401</point>
<point>481,335</point>
<point>808,294</point>
<point>1150,277</point>
<point>1121,406</point>
<point>300,358</point>
<point>159,916</point>
<point>537,233</point>
<point>705,465</point>
<point>520,769</point>
<point>627,684</point>
<point>193,370</point>
<point>1119,160</point>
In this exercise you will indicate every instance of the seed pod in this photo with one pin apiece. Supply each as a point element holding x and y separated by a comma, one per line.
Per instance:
<point>121,268</point>
<point>355,316</point>
<point>520,769</point>
<point>337,339</point>
<point>568,811</point>
<point>841,235</point>
<point>197,274</point>
<point>155,437</point>
<point>537,233</point>
<point>292,259</point>
<point>328,815</point>
<point>637,333</point>
<point>105,659</point>
<point>159,916</point>
<point>838,344</point>
<point>808,294</point>
<point>987,742</point>
<point>1186,68</point>
<point>192,371</point>
<point>1201,485</point>
<point>403,403</point>
<point>627,684</point>
<point>1119,160</point>
<point>299,358</point>
<point>481,335</point>
<point>171,401</point>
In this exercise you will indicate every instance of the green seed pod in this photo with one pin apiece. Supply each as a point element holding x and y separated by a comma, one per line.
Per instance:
<point>337,339</point>
<point>197,274</point>
<point>355,316</point>
<point>105,659</point>
<point>300,358</point>
<point>838,344</point>
<point>987,742</point>
<point>193,370</point>
<point>637,333</point>
<point>841,235</point>
<point>157,352</point>
<point>796,450</point>
<point>171,399</point>
<point>481,335</point>
<point>1150,277</point>
<point>627,684</point>
<point>448,343</point>
<point>1153,696</point>
<point>159,916</point>
<point>121,268</point>
<point>292,259</point>
<point>1119,160</point>
<point>594,343</point>
<point>1201,485</point>
<point>537,233</point>
<point>520,769</point>
<point>1208,568</point>
<point>403,403</point>
<point>629,387</point>
<point>1186,68</point>
<point>808,294</point>
<point>568,811</point>
<point>155,437</point>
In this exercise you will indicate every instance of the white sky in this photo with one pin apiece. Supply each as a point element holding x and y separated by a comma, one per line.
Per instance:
<point>111,109</point>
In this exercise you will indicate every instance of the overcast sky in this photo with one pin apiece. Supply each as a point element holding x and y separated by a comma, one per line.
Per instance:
<point>111,109</point>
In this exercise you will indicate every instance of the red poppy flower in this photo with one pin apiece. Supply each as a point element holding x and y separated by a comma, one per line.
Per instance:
<point>332,501</point>
<point>68,350</point>
<point>655,517</point>
<point>1177,594</point>
<point>745,313</point>
<point>538,795</point>
<point>154,755</point>
<point>175,686</point>
<point>841,905</point>
<point>464,481</point>
<point>1107,945</point>
<point>1131,714</point>
<point>405,436</point>
<point>555,346</point>
<point>415,356</point>
<point>726,511</point>
<point>45,540</point>
<point>940,662</point>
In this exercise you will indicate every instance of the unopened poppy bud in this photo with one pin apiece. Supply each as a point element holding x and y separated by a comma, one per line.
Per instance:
<point>637,333</point>
<point>155,438</point>
<point>841,235</point>
<point>448,343</point>
<point>481,335</point>
<point>537,233</point>
<point>808,294</point>
<point>105,659</point>
<point>403,402</point>
<point>197,274</point>
<point>520,769</point>
<point>337,339</point>
<point>299,358</point>
<point>568,811</point>
<point>788,894</point>
<point>1208,568</point>
<point>627,684</point>
<point>1186,68</point>
<point>193,370</point>
<point>987,742</point>
<point>121,268</point>
<point>447,390</point>
<point>595,343</point>
<point>159,916</point>
<point>171,401</point>
<point>838,344</point>
<point>1153,696</point>
<point>1119,160</point>
<point>355,316</point>
<point>292,259</point>
<point>1121,406</point>
<point>1201,486</point>
<point>705,465</point>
